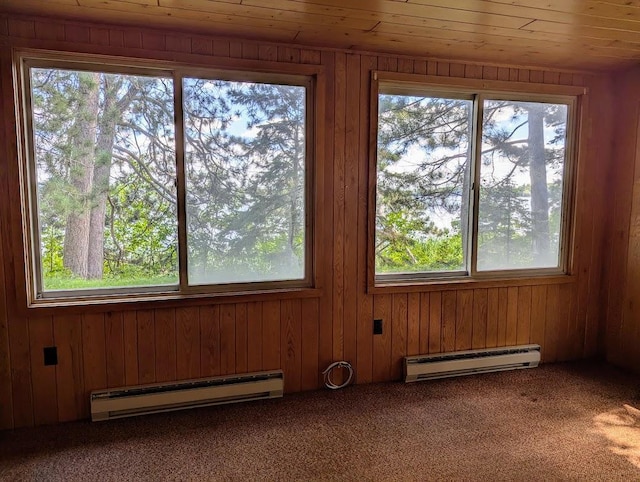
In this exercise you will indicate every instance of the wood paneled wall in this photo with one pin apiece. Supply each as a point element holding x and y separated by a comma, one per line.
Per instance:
<point>100,349</point>
<point>622,249</point>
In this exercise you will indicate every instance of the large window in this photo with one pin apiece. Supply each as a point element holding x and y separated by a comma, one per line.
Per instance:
<point>145,180</point>
<point>469,183</point>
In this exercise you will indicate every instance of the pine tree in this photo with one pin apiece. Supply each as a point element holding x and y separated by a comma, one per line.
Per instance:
<point>424,151</point>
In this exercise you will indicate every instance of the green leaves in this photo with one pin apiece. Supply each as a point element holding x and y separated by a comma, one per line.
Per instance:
<point>405,246</point>
<point>246,149</point>
<point>424,178</point>
<point>423,172</point>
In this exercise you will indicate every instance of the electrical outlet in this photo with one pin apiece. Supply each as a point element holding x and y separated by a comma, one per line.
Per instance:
<point>377,327</point>
<point>50,355</point>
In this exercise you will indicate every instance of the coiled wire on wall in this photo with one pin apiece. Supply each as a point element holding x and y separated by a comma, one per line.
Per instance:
<point>329,383</point>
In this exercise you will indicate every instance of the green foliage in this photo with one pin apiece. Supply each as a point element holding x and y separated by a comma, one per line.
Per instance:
<point>245,168</point>
<point>70,282</point>
<point>424,183</point>
<point>246,147</point>
<point>423,172</point>
<point>52,259</point>
<point>134,144</point>
<point>245,157</point>
<point>141,239</point>
<point>504,230</point>
<point>433,254</point>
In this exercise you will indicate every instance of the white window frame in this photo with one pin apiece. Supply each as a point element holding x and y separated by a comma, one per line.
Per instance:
<point>236,71</point>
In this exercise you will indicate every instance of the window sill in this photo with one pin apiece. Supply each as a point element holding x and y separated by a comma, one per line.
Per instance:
<point>412,286</point>
<point>158,300</point>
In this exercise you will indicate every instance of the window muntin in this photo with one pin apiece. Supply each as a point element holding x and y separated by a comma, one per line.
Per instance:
<point>495,239</point>
<point>245,181</point>
<point>145,191</point>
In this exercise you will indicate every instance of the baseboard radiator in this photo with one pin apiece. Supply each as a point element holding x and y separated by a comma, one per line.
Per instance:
<point>164,397</point>
<point>453,364</point>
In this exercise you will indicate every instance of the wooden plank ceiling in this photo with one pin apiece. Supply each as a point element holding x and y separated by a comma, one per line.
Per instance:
<point>569,34</point>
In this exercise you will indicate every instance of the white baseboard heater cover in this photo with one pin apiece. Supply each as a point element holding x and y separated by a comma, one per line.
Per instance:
<point>453,364</point>
<point>164,397</point>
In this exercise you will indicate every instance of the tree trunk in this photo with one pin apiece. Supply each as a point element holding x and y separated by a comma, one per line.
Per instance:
<point>81,163</point>
<point>294,221</point>
<point>111,114</point>
<point>538,176</point>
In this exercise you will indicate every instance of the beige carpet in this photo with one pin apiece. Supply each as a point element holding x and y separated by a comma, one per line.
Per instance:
<point>576,421</point>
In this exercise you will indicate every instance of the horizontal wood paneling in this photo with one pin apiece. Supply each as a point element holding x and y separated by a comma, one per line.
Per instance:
<point>576,34</point>
<point>143,344</point>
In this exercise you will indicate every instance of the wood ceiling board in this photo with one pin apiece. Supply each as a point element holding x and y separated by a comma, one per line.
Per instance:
<point>462,9</point>
<point>498,34</point>
<point>495,33</point>
<point>221,26</point>
<point>573,34</point>
<point>473,52</point>
<point>584,31</point>
<point>213,22</point>
<point>586,7</point>
<point>623,49</point>
<point>532,10</point>
<point>144,2</point>
<point>440,11</point>
<point>629,3</point>
<point>261,11</point>
<point>344,10</point>
<point>230,13</point>
<point>404,20</point>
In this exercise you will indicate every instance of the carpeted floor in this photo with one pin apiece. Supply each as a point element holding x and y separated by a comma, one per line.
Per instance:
<point>577,421</point>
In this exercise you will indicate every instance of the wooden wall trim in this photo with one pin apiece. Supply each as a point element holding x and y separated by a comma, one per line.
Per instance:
<point>193,63</point>
<point>160,300</point>
<point>470,283</point>
<point>465,83</point>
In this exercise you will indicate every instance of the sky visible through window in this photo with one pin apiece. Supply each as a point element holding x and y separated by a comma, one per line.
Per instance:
<point>424,178</point>
<point>105,160</point>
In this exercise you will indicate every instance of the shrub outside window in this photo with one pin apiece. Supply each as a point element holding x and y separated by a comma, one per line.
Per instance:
<point>470,184</point>
<point>150,180</point>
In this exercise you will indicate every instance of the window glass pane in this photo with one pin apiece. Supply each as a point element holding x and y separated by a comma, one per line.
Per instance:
<point>245,165</point>
<point>105,173</point>
<point>424,152</point>
<point>523,156</point>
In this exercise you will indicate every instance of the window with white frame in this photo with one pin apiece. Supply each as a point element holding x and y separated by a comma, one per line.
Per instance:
<point>153,180</point>
<point>470,183</point>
